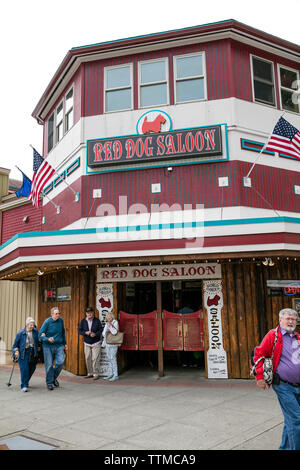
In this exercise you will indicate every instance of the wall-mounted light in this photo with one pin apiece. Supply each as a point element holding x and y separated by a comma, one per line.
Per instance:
<point>40,272</point>
<point>26,219</point>
<point>268,262</point>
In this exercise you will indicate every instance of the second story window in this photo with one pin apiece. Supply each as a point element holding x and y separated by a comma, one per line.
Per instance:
<point>189,78</point>
<point>289,80</point>
<point>263,81</point>
<point>59,122</point>
<point>50,132</point>
<point>118,88</point>
<point>153,83</point>
<point>69,112</point>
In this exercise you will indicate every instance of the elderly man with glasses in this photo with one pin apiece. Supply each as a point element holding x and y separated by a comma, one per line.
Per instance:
<point>286,373</point>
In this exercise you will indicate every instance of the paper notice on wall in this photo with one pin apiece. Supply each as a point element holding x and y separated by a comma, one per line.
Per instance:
<point>216,355</point>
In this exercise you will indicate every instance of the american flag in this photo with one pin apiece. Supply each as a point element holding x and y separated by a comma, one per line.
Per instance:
<point>42,172</point>
<point>285,139</point>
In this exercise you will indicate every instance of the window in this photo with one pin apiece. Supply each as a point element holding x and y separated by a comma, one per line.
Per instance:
<point>189,78</point>
<point>263,81</point>
<point>63,117</point>
<point>153,83</point>
<point>59,122</point>
<point>69,113</point>
<point>118,88</point>
<point>50,132</point>
<point>289,80</point>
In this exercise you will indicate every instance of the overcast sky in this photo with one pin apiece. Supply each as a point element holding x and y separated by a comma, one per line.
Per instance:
<point>36,36</point>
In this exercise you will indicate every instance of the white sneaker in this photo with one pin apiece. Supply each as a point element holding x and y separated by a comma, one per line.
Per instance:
<point>114,378</point>
<point>24,389</point>
<point>108,377</point>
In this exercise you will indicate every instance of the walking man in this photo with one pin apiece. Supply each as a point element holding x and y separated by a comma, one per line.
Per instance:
<point>286,374</point>
<point>52,336</point>
<point>91,329</point>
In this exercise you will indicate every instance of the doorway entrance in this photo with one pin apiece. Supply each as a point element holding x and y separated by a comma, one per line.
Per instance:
<point>177,332</point>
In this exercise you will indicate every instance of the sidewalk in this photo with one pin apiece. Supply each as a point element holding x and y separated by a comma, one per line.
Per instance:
<point>181,411</point>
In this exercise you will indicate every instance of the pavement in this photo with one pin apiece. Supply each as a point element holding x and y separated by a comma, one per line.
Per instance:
<point>180,411</point>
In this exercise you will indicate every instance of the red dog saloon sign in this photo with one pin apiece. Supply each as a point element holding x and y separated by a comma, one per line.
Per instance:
<point>154,145</point>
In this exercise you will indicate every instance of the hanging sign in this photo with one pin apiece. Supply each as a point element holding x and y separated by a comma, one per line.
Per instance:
<point>201,141</point>
<point>216,355</point>
<point>104,305</point>
<point>169,272</point>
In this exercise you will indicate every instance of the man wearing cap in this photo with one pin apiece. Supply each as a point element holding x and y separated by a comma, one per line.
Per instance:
<point>25,350</point>
<point>52,336</point>
<point>90,328</point>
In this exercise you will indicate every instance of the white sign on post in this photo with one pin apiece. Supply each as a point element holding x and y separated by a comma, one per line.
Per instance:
<point>216,355</point>
<point>104,304</point>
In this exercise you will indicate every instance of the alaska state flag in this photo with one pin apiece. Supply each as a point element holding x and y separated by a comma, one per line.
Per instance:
<point>26,186</point>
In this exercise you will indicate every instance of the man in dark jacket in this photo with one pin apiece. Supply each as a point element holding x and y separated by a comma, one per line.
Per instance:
<point>91,329</point>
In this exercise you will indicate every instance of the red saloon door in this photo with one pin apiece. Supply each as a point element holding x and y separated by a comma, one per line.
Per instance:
<point>148,331</point>
<point>193,331</point>
<point>129,325</point>
<point>172,331</point>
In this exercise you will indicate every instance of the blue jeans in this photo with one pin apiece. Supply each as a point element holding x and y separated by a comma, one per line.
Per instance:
<point>26,368</point>
<point>53,354</point>
<point>111,351</point>
<point>289,400</point>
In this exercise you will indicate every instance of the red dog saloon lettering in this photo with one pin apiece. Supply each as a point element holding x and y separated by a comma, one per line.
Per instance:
<point>204,141</point>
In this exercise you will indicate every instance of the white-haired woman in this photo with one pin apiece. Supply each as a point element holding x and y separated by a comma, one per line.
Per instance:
<point>25,350</point>
<point>111,325</point>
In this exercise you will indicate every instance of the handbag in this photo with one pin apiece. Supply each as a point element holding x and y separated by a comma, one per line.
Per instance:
<point>116,340</point>
<point>267,365</point>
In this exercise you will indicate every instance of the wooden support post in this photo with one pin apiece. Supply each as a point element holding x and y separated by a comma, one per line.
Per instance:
<point>160,350</point>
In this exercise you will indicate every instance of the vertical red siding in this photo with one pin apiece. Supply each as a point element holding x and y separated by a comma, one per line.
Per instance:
<point>12,221</point>
<point>194,184</point>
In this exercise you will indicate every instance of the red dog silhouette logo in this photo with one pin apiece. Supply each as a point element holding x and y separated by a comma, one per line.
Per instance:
<point>213,301</point>
<point>153,126</point>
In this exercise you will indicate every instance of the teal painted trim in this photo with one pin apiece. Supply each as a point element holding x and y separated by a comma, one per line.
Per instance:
<point>73,166</point>
<point>208,223</point>
<point>59,179</point>
<point>163,165</point>
<point>149,35</point>
<point>246,141</point>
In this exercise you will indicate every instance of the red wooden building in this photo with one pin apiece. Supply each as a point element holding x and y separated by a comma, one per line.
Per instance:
<point>149,210</point>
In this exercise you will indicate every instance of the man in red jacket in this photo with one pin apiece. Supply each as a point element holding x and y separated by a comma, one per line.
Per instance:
<point>286,369</point>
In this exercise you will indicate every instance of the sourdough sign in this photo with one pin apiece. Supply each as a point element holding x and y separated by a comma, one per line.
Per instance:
<point>201,141</point>
<point>170,272</point>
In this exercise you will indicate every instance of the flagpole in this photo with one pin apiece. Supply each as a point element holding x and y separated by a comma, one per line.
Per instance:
<point>70,187</point>
<point>254,163</point>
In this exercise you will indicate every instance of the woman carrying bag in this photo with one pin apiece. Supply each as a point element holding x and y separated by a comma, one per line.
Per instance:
<point>111,326</point>
<point>25,351</point>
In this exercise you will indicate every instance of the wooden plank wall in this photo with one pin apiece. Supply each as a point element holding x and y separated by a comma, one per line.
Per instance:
<point>18,300</point>
<point>82,282</point>
<point>248,312</point>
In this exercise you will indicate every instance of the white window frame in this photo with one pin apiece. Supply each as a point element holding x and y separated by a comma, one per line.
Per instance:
<point>202,54</point>
<point>252,81</point>
<point>118,88</point>
<point>279,66</point>
<point>61,122</point>
<point>53,132</point>
<point>166,81</point>
<point>66,113</point>
<point>54,114</point>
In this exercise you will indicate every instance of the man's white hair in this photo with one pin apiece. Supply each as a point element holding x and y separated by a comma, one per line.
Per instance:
<point>287,311</point>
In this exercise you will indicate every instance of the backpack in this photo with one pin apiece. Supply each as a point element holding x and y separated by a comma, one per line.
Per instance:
<point>267,365</point>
